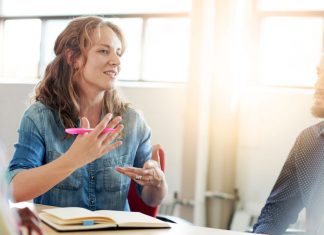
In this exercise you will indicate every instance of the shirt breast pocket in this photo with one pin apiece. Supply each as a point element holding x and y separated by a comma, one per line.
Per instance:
<point>113,181</point>
<point>73,181</point>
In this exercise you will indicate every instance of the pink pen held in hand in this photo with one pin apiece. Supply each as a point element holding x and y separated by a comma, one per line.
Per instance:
<point>80,131</point>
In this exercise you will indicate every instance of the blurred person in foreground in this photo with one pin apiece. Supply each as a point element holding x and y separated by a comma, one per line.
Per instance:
<point>13,221</point>
<point>301,180</point>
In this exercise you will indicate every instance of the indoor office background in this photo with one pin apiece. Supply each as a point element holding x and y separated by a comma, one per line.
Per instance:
<point>226,86</point>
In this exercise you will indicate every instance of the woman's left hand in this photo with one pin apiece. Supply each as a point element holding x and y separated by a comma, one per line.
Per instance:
<point>150,175</point>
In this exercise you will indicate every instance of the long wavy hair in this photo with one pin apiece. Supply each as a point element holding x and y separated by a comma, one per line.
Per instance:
<point>58,89</point>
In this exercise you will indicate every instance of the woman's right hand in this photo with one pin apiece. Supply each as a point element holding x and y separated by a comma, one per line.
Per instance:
<point>90,146</point>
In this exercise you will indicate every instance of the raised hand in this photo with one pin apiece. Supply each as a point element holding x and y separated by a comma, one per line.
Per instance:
<point>90,146</point>
<point>151,173</point>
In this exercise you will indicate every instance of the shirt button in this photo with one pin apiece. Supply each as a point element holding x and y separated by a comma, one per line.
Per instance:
<point>92,177</point>
<point>92,201</point>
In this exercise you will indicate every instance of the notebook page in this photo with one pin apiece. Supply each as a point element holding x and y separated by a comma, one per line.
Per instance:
<point>126,217</point>
<point>68,213</point>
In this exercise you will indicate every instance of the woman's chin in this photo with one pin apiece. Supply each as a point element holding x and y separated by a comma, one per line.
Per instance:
<point>111,85</point>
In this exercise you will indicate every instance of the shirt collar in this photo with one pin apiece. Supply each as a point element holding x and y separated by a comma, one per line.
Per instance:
<point>321,130</point>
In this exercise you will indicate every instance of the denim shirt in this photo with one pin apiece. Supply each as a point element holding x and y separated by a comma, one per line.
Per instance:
<point>95,186</point>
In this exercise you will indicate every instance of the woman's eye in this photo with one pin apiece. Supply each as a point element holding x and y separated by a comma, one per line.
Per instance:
<point>106,52</point>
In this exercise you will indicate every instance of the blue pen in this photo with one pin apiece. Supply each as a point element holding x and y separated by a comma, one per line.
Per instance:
<point>88,222</point>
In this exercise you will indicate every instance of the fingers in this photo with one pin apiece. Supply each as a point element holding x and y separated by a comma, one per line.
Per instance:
<point>129,171</point>
<point>148,168</point>
<point>136,174</point>
<point>33,228</point>
<point>95,144</point>
<point>152,176</point>
<point>32,215</point>
<point>85,122</point>
<point>112,146</point>
<point>30,221</point>
<point>151,164</point>
<point>108,137</point>
<point>102,125</point>
<point>115,122</point>
<point>156,153</point>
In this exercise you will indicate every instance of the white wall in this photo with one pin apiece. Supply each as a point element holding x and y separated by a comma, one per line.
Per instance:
<point>13,101</point>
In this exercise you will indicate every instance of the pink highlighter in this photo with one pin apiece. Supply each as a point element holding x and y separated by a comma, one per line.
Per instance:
<point>80,131</point>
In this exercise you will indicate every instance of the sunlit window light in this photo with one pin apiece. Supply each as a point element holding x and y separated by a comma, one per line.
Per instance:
<point>290,48</point>
<point>166,50</point>
<point>51,30</point>
<point>287,5</point>
<point>97,7</point>
<point>21,49</point>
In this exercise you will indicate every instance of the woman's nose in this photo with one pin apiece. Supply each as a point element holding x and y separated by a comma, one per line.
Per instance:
<point>114,60</point>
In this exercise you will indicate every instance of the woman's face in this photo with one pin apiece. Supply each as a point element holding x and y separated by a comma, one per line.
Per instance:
<point>103,62</point>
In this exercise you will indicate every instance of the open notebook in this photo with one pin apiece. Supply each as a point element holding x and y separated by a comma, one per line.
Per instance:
<point>77,218</point>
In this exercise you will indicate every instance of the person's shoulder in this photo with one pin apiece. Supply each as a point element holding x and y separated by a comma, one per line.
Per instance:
<point>133,114</point>
<point>133,119</point>
<point>37,108</point>
<point>310,140</point>
<point>315,130</point>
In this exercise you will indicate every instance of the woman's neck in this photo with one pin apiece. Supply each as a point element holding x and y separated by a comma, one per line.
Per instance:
<point>91,108</point>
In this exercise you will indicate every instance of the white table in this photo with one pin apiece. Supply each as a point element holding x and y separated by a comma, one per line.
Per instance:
<point>174,230</point>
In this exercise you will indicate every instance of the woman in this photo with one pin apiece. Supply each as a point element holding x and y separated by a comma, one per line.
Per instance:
<point>92,170</point>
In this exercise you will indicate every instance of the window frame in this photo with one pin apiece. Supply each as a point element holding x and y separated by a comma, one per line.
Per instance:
<point>145,17</point>
<point>262,14</point>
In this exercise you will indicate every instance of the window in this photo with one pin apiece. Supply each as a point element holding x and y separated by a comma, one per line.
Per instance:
<point>291,41</point>
<point>21,49</point>
<point>157,48</point>
<point>290,48</point>
<point>285,5</point>
<point>166,49</point>
<point>52,28</point>
<point>157,43</point>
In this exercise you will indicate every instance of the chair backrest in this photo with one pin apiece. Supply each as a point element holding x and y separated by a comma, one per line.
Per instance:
<point>134,200</point>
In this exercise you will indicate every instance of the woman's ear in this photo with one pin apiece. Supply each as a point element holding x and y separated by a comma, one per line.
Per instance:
<point>68,55</point>
<point>77,63</point>
<point>71,60</point>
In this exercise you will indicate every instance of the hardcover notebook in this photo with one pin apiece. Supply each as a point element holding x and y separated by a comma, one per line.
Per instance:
<point>77,218</point>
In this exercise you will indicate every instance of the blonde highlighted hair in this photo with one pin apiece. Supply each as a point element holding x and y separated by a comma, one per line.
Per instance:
<point>57,89</point>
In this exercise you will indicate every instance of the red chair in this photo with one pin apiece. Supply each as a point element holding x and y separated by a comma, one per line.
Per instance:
<point>134,200</point>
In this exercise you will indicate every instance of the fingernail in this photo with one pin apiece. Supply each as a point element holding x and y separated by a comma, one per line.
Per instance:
<point>108,116</point>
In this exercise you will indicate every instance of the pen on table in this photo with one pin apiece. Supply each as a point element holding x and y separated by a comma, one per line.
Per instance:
<point>88,222</point>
